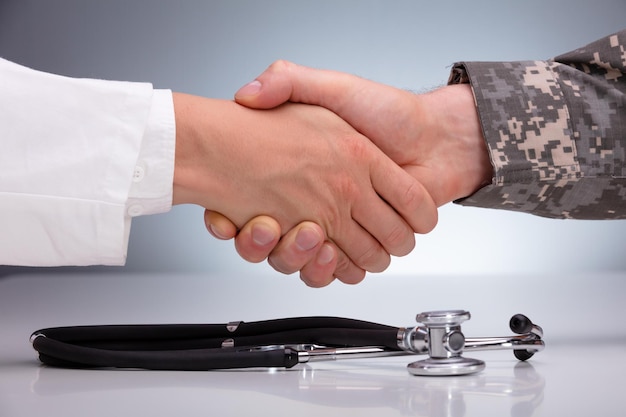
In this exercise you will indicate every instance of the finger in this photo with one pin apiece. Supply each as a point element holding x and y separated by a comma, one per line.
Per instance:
<point>347,271</point>
<point>382,218</point>
<point>298,247</point>
<point>258,238</point>
<point>219,226</point>
<point>376,229</point>
<point>319,263</point>
<point>386,226</point>
<point>318,272</point>
<point>408,197</point>
<point>360,246</point>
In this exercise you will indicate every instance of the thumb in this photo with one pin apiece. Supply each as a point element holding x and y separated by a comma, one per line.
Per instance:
<point>270,89</point>
<point>285,81</point>
<point>356,100</point>
<point>219,226</point>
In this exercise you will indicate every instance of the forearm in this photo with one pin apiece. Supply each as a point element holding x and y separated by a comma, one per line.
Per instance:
<point>555,131</point>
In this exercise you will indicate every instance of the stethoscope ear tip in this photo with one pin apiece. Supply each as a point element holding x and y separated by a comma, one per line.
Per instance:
<point>520,324</point>
<point>523,355</point>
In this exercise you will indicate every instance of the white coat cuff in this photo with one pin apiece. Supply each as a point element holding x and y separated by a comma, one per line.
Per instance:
<point>153,177</point>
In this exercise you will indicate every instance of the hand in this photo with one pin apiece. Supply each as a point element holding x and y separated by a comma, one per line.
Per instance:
<point>299,163</point>
<point>301,249</point>
<point>434,136</point>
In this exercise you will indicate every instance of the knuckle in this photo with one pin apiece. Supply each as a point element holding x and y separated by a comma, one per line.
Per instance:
<point>356,145</point>
<point>413,197</point>
<point>399,241</point>
<point>346,189</point>
<point>374,259</point>
<point>344,265</point>
<point>348,273</point>
<point>281,65</point>
<point>420,209</point>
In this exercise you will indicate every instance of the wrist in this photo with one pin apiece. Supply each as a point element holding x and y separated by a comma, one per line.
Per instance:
<point>465,161</point>
<point>194,180</point>
<point>182,193</point>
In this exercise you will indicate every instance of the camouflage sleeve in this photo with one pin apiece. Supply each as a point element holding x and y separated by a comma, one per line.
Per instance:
<point>556,131</point>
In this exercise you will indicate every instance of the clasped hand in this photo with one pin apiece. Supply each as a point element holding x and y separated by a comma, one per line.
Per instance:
<point>348,193</point>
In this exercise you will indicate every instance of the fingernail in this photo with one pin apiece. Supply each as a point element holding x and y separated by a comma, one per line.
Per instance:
<point>262,235</point>
<point>249,89</point>
<point>217,233</point>
<point>307,239</point>
<point>325,255</point>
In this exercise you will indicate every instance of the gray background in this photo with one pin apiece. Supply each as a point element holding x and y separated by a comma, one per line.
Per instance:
<point>211,48</point>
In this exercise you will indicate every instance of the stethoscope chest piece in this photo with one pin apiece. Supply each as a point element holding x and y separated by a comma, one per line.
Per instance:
<point>445,345</point>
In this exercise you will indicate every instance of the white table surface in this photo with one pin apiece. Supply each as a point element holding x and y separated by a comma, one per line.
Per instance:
<point>580,373</point>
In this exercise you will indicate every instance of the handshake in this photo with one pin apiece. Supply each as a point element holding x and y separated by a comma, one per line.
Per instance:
<point>318,171</point>
<point>326,173</point>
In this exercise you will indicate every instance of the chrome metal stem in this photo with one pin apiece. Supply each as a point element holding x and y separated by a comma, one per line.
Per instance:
<point>524,341</point>
<point>331,354</point>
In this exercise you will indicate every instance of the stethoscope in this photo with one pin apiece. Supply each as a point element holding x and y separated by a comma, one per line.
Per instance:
<point>281,343</point>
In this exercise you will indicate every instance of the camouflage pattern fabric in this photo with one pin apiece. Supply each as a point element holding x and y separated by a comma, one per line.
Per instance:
<point>556,131</point>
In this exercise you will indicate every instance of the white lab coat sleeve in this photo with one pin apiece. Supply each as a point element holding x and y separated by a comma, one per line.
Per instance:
<point>79,158</point>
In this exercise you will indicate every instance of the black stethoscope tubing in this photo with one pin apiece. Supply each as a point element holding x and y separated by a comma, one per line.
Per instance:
<point>201,346</point>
